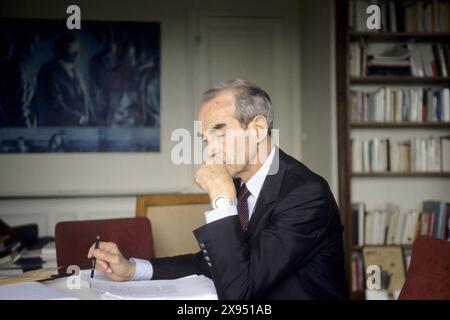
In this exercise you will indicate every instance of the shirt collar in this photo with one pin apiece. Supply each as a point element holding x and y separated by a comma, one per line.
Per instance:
<point>254,184</point>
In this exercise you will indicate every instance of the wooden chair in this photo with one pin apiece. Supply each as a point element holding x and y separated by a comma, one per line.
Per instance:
<point>173,218</point>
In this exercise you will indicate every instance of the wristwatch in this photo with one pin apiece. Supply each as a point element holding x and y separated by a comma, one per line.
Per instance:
<point>223,202</point>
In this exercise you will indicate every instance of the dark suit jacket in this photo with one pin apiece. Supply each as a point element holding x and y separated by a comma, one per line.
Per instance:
<point>293,248</point>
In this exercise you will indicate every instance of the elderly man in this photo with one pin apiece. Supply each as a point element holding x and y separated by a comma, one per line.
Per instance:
<point>274,231</point>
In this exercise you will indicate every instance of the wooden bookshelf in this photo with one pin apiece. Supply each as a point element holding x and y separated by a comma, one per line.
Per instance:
<point>401,174</point>
<point>400,125</point>
<point>400,36</point>
<point>344,83</point>
<point>357,295</point>
<point>404,246</point>
<point>377,80</point>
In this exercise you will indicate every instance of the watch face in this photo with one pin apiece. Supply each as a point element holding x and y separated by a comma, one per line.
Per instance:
<point>221,202</point>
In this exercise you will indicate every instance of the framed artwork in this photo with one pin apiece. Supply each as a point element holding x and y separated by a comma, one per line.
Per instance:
<point>91,90</point>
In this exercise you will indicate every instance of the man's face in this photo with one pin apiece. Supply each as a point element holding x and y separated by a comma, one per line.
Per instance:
<point>226,140</point>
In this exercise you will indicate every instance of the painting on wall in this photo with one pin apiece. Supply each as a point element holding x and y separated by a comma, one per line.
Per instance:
<point>91,90</point>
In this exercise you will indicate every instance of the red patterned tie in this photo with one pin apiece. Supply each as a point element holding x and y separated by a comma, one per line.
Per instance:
<point>242,206</point>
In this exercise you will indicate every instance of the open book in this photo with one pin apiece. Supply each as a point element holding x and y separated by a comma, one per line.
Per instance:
<point>188,288</point>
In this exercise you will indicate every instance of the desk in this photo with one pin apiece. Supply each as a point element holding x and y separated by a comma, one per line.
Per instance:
<point>84,293</point>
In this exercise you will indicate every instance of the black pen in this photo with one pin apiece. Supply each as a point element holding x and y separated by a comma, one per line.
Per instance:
<point>97,241</point>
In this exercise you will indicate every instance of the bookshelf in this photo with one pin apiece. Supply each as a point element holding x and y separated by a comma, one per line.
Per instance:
<point>402,174</point>
<point>347,128</point>
<point>390,125</point>
<point>395,36</point>
<point>399,80</point>
<point>405,246</point>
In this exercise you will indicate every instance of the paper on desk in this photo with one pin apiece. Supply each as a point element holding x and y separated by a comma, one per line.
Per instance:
<point>31,291</point>
<point>188,288</point>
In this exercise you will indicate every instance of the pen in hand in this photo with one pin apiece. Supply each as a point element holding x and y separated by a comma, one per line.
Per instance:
<point>94,260</point>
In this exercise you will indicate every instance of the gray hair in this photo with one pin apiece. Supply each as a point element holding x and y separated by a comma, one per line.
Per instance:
<point>250,100</point>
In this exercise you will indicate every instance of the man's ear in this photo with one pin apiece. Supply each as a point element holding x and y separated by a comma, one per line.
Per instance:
<point>261,127</point>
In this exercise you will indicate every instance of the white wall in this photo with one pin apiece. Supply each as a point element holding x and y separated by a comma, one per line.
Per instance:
<point>89,186</point>
<point>46,212</point>
<point>318,85</point>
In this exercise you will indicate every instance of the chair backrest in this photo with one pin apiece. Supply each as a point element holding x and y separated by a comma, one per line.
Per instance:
<point>74,238</point>
<point>429,271</point>
<point>173,218</point>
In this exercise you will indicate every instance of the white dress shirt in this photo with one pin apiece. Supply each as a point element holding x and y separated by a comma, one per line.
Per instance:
<point>144,268</point>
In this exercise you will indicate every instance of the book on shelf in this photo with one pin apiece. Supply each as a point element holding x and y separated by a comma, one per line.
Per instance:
<point>356,69</point>
<point>381,155</point>
<point>429,60</point>
<point>392,226</point>
<point>402,16</point>
<point>359,211</point>
<point>438,226</point>
<point>394,105</point>
<point>357,272</point>
<point>445,152</point>
<point>399,59</point>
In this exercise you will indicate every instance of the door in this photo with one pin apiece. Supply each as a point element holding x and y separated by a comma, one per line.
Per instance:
<point>257,49</point>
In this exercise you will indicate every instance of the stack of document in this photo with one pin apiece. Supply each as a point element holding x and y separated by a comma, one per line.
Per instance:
<point>188,288</point>
<point>30,259</point>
